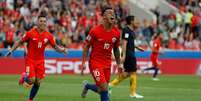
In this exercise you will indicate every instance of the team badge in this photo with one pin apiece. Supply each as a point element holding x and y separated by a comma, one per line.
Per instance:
<point>45,40</point>
<point>126,35</point>
<point>114,40</point>
<point>88,38</point>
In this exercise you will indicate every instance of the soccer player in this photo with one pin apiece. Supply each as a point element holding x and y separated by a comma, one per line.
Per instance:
<point>128,58</point>
<point>102,39</point>
<point>37,38</point>
<point>154,56</point>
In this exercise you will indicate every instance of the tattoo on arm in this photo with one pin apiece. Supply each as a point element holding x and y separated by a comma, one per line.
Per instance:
<point>117,54</point>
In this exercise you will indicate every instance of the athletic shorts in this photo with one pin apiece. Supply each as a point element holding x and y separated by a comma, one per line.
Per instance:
<point>36,68</point>
<point>154,60</point>
<point>100,75</point>
<point>130,64</point>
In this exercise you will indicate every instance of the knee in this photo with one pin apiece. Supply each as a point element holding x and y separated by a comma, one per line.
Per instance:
<point>37,83</point>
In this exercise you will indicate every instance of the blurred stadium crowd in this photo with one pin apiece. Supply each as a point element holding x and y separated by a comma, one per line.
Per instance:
<point>70,20</point>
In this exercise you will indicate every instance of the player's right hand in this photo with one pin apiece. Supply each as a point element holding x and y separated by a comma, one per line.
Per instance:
<point>65,51</point>
<point>120,69</point>
<point>83,67</point>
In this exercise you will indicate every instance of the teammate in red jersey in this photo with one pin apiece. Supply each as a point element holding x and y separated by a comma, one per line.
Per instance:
<point>102,39</point>
<point>37,38</point>
<point>154,55</point>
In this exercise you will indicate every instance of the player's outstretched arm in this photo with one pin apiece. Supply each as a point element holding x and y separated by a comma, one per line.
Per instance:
<point>15,46</point>
<point>60,49</point>
<point>84,56</point>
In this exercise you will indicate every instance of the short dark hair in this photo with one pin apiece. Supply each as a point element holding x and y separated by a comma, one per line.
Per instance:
<point>105,8</point>
<point>42,14</point>
<point>129,19</point>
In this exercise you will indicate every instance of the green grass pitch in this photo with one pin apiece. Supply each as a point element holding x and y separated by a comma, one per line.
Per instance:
<point>68,88</point>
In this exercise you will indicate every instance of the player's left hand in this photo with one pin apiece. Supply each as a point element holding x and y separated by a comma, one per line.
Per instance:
<point>161,52</point>
<point>65,51</point>
<point>159,63</point>
<point>120,68</point>
<point>83,67</point>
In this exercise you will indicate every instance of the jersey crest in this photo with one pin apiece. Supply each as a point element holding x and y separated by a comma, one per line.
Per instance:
<point>45,40</point>
<point>114,40</point>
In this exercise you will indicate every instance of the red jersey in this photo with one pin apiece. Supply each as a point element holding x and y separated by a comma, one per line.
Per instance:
<point>154,55</point>
<point>37,43</point>
<point>156,46</point>
<point>102,43</point>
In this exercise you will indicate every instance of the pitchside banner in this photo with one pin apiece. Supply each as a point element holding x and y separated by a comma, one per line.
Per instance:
<point>72,66</point>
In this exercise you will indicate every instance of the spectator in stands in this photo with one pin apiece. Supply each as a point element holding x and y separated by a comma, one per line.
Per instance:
<point>179,17</point>
<point>25,11</point>
<point>187,20</point>
<point>74,17</point>
<point>195,24</point>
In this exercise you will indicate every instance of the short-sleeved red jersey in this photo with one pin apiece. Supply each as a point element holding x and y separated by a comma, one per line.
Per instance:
<point>37,43</point>
<point>154,55</point>
<point>102,43</point>
<point>156,46</point>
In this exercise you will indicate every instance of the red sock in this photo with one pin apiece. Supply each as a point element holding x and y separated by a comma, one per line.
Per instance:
<point>29,100</point>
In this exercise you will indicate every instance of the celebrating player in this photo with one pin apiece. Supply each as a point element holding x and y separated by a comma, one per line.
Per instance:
<point>128,58</point>
<point>102,39</point>
<point>37,38</point>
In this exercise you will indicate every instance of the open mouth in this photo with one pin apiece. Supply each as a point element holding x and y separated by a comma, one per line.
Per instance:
<point>112,18</point>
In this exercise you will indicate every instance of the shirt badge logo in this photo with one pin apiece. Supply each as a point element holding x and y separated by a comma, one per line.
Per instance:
<point>88,38</point>
<point>45,40</point>
<point>126,35</point>
<point>114,39</point>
